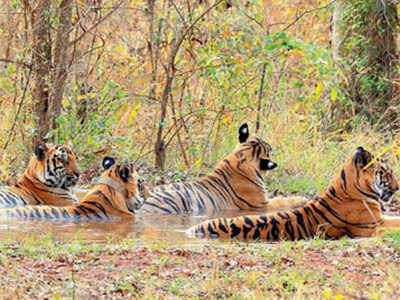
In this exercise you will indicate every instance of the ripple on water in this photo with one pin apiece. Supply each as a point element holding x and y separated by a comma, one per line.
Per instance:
<point>169,228</point>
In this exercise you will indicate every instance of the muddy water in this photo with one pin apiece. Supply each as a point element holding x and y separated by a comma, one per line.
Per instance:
<point>168,228</point>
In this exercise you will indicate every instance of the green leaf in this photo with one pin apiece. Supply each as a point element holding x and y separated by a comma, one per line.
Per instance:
<point>334,94</point>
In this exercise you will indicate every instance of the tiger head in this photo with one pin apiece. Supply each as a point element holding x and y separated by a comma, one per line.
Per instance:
<point>253,152</point>
<point>124,178</point>
<point>54,166</point>
<point>372,178</point>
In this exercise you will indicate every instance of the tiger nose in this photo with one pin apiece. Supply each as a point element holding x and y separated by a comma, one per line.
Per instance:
<point>76,175</point>
<point>271,165</point>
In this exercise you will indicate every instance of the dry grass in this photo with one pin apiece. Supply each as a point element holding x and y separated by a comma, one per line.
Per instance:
<point>346,269</point>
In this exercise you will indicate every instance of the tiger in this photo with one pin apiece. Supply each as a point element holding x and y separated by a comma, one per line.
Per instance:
<point>51,173</point>
<point>116,194</point>
<point>236,184</point>
<point>350,206</point>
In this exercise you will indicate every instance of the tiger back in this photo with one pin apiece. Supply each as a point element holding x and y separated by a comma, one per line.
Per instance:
<point>237,183</point>
<point>118,193</point>
<point>350,206</point>
<point>51,172</point>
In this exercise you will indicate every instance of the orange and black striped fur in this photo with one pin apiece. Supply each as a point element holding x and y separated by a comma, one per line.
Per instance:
<point>50,174</point>
<point>350,207</point>
<point>237,183</point>
<point>117,193</point>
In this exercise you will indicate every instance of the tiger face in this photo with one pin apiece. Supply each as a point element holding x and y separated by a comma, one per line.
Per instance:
<point>385,183</point>
<point>373,177</point>
<point>126,181</point>
<point>55,166</point>
<point>254,152</point>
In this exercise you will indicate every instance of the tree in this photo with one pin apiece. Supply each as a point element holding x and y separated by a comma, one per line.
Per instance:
<point>364,44</point>
<point>49,60</point>
<point>176,39</point>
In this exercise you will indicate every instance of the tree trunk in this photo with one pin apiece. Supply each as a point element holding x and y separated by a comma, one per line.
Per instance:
<point>160,144</point>
<point>170,72</point>
<point>336,38</point>
<point>59,71</point>
<point>49,67</point>
<point>41,58</point>
<point>153,41</point>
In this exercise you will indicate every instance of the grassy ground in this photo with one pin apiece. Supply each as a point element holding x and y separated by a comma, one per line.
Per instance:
<point>39,267</point>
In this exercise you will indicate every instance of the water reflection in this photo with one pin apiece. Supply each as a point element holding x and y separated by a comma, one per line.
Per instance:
<point>170,228</point>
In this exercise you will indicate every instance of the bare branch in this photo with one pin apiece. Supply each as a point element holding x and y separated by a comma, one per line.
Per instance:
<point>18,111</point>
<point>95,25</point>
<point>306,12</point>
<point>21,63</point>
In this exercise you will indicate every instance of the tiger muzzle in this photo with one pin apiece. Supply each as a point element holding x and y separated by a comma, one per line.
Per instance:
<point>71,180</point>
<point>387,196</point>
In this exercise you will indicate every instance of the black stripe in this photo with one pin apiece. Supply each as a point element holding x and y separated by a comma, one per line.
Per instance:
<point>19,213</point>
<point>343,175</point>
<point>275,228</point>
<point>246,230</point>
<point>262,224</point>
<point>222,227</point>
<point>55,213</point>
<point>300,221</point>
<point>289,229</point>
<point>65,214</point>
<point>248,221</point>
<point>211,230</point>
<point>205,191</point>
<point>333,212</point>
<point>235,230</point>
<point>242,174</point>
<point>199,200</point>
<point>234,192</point>
<point>85,211</point>
<point>167,211</point>
<point>99,206</point>
<point>37,212</point>
<point>77,215</point>
<point>163,198</point>
<point>219,188</point>
<point>46,215</point>
<point>376,198</point>
<point>256,234</point>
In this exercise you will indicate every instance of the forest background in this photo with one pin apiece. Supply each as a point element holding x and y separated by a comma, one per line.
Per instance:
<point>168,83</point>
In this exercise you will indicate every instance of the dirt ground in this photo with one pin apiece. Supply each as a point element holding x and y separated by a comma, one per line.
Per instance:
<point>346,269</point>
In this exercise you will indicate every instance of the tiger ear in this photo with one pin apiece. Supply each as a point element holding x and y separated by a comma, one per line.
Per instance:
<point>125,173</point>
<point>243,133</point>
<point>108,162</point>
<point>40,151</point>
<point>362,157</point>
